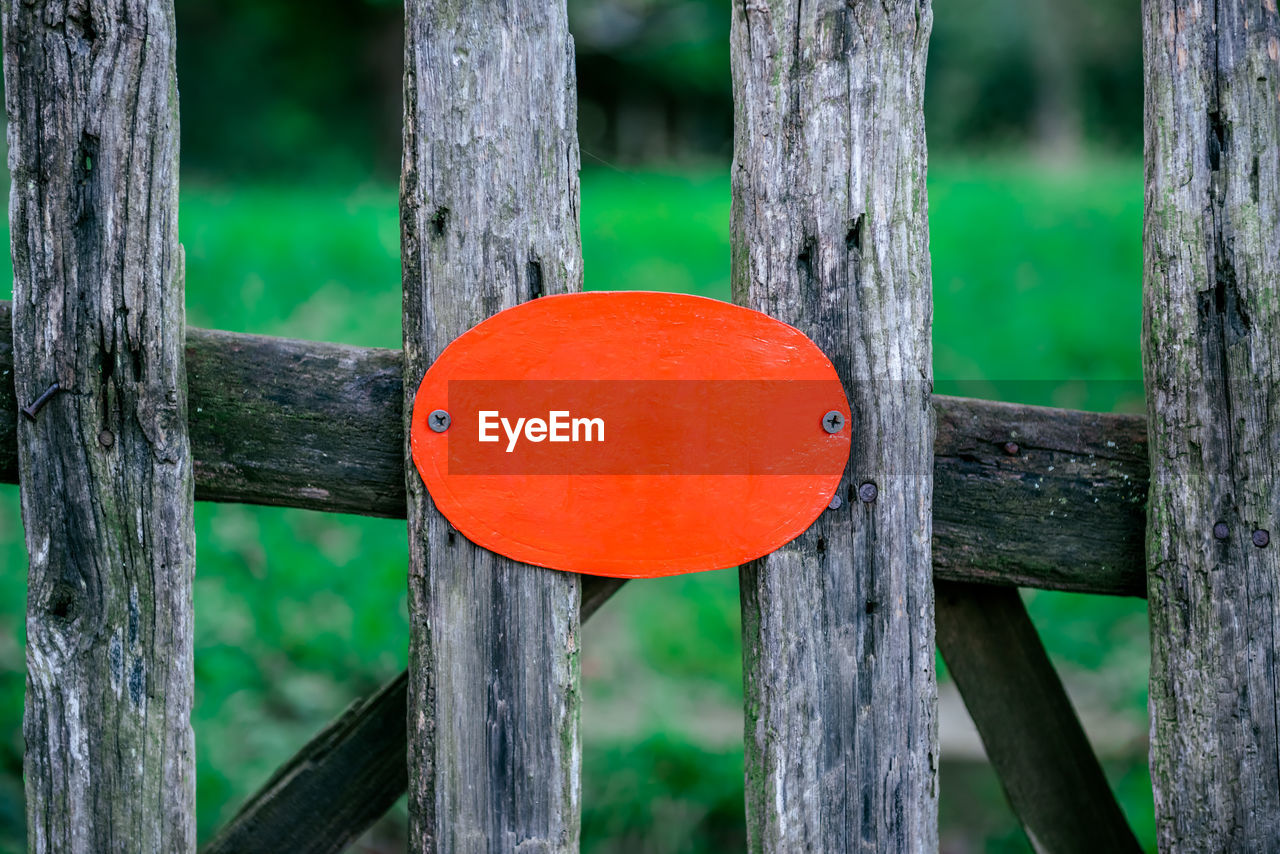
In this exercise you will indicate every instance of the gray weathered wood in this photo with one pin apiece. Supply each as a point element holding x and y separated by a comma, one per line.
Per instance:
<point>1032,735</point>
<point>347,776</point>
<point>830,234</point>
<point>1212,358</point>
<point>489,217</point>
<point>105,470</point>
<point>1039,497</point>
<point>318,426</point>
<point>297,423</point>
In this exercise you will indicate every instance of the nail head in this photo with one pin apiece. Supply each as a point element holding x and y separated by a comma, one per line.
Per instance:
<point>106,438</point>
<point>1011,448</point>
<point>835,502</point>
<point>1221,531</point>
<point>868,492</point>
<point>1261,538</point>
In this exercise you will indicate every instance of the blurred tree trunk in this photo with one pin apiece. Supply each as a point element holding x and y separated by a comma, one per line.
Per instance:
<point>1057,123</point>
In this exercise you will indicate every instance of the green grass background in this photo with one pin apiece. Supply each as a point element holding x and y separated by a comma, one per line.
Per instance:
<point>1037,290</point>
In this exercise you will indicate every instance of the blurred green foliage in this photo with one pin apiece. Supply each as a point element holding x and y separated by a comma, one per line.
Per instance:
<point>271,93</point>
<point>1036,276</point>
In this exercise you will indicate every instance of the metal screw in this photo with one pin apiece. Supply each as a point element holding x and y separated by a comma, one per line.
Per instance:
<point>1011,448</point>
<point>1261,538</point>
<point>31,410</point>
<point>1221,531</point>
<point>868,492</point>
<point>833,422</point>
<point>835,502</point>
<point>438,420</point>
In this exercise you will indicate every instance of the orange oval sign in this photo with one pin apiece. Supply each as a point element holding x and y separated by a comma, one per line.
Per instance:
<point>631,434</point>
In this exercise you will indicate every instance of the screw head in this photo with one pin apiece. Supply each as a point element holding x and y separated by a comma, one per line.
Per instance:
<point>833,422</point>
<point>1221,531</point>
<point>1261,538</point>
<point>868,492</point>
<point>835,502</point>
<point>438,420</point>
<point>1011,448</point>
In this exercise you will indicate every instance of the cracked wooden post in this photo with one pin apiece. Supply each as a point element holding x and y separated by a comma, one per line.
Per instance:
<point>830,234</point>
<point>1212,359</point>
<point>105,467</point>
<point>489,216</point>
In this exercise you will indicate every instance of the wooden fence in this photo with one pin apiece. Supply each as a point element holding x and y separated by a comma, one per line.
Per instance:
<point>948,504</point>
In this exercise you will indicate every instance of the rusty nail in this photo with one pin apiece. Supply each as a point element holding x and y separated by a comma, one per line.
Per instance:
<point>1220,530</point>
<point>439,420</point>
<point>868,492</point>
<point>832,422</point>
<point>1261,538</point>
<point>1011,448</point>
<point>34,408</point>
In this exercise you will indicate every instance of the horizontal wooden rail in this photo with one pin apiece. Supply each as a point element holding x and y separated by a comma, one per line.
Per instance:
<point>1024,495</point>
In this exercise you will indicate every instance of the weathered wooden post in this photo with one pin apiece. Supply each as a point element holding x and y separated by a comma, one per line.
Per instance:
<point>830,235</point>
<point>1212,361</point>
<point>489,212</point>
<point>105,468</point>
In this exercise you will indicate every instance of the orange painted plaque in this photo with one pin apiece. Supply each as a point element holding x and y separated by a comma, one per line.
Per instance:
<point>631,434</point>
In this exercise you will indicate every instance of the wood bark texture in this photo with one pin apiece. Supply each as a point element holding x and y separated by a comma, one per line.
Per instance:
<point>489,215</point>
<point>830,234</point>
<point>1039,497</point>
<point>297,423</point>
<point>1024,495</point>
<point>1212,362</point>
<point>1030,731</point>
<point>105,468</point>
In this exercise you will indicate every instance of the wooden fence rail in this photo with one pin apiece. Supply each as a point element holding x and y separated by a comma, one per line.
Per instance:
<point>1023,495</point>
<point>347,776</point>
<point>1031,734</point>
